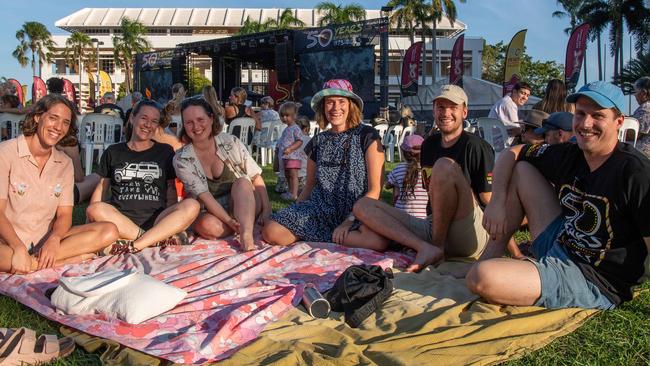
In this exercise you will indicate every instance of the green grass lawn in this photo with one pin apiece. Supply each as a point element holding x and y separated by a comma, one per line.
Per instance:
<point>616,337</point>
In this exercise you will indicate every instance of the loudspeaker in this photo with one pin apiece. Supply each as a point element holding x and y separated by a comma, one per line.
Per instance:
<point>179,69</point>
<point>284,64</point>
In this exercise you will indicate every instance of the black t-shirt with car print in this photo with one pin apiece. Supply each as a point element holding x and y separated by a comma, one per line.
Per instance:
<point>607,212</point>
<point>138,179</point>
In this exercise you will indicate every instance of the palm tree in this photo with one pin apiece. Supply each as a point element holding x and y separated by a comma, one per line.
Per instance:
<point>337,14</point>
<point>438,9</point>
<point>634,70</point>
<point>252,26</point>
<point>127,43</point>
<point>571,11</point>
<point>35,38</point>
<point>406,15</point>
<point>411,15</point>
<point>287,20</point>
<point>76,50</point>
<point>618,14</point>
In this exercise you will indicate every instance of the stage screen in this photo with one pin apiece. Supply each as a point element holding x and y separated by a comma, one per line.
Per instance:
<point>158,82</point>
<point>154,75</point>
<point>354,64</point>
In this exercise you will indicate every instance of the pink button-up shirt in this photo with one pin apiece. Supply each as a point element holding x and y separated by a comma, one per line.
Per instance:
<point>33,197</point>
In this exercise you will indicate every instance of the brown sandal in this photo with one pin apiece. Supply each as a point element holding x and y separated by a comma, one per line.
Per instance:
<point>21,347</point>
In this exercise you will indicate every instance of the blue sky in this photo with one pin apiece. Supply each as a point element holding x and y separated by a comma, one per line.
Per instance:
<point>494,20</point>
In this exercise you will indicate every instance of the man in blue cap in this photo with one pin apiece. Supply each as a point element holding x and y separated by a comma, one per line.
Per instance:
<point>557,128</point>
<point>588,210</point>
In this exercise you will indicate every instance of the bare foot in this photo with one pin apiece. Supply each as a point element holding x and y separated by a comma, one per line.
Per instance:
<point>247,242</point>
<point>429,254</point>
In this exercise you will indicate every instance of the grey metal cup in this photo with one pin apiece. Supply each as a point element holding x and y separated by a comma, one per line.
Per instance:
<point>316,305</point>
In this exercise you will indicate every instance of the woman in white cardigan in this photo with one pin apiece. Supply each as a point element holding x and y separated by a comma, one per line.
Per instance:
<point>217,169</point>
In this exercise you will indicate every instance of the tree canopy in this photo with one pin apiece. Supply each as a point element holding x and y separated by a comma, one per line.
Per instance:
<point>127,43</point>
<point>34,37</point>
<point>338,13</point>
<point>536,73</point>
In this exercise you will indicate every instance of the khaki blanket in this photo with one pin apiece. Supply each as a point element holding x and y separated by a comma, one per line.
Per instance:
<point>430,318</point>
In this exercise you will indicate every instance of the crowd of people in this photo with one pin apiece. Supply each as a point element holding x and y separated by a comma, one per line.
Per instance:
<point>583,195</point>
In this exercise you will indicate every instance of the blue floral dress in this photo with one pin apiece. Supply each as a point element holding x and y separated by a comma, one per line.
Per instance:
<point>341,179</point>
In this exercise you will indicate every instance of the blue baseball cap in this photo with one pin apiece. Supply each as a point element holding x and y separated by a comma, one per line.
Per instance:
<point>556,121</point>
<point>606,95</point>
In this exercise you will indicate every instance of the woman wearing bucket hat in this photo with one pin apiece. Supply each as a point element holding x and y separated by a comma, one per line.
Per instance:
<point>345,163</point>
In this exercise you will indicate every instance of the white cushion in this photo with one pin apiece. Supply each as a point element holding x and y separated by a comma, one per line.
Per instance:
<point>123,294</point>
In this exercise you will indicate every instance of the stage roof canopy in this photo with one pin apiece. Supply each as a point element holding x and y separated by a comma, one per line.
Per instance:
<point>257,48</point>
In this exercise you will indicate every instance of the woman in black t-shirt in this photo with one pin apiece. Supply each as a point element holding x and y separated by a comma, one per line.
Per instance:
<point>236,108</point>
<point>140,178</point>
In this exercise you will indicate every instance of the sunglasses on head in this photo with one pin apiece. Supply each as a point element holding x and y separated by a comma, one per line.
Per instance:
<point>196,100</point>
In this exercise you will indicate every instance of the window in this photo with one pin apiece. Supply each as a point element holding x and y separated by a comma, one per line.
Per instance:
<point>96,31</point>
<point>60,67</point>
<point>157,31</point>
<point>181,31</point>
<point>107,65</point>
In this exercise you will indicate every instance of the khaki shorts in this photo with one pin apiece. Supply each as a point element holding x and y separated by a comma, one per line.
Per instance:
<point>466,237</point>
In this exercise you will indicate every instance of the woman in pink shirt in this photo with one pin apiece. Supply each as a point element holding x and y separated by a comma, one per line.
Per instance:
<point>36,200</point>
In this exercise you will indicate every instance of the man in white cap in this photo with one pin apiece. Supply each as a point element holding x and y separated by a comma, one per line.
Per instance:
<point>459,184</point>
<point>588,208</point>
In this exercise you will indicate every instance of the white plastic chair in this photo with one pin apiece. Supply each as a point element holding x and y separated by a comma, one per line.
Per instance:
<point>381,129</point>
<point>314,128</point>
<point>494,132</point>
<point>97,132</point>
<point>405,132</point>
<point>245,125</point>
<point>267,139</point>
<point>13,123</point>
<point>391,137</point>
<point>629,124</point>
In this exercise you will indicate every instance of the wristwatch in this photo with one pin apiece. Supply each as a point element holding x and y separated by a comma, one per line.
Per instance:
<point>351,218</point>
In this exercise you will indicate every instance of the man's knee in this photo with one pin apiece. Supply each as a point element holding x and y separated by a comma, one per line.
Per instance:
<point>445,169</point>
<point>480,277</point>
<point>524,172</point>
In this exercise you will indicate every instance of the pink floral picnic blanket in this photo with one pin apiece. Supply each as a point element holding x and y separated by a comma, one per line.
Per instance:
<point>231,297</point>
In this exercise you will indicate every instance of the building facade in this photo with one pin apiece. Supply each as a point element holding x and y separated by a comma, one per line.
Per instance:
<point>167,27</point>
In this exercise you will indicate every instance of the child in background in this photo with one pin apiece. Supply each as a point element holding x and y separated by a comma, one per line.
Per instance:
<point>289,148</point>
<point>304,124</point>
<point>409,194</point>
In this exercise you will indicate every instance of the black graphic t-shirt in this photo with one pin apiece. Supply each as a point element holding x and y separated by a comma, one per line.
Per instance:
<point>474,155</point>
<point>138,179</point>
<point>607,212</point>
